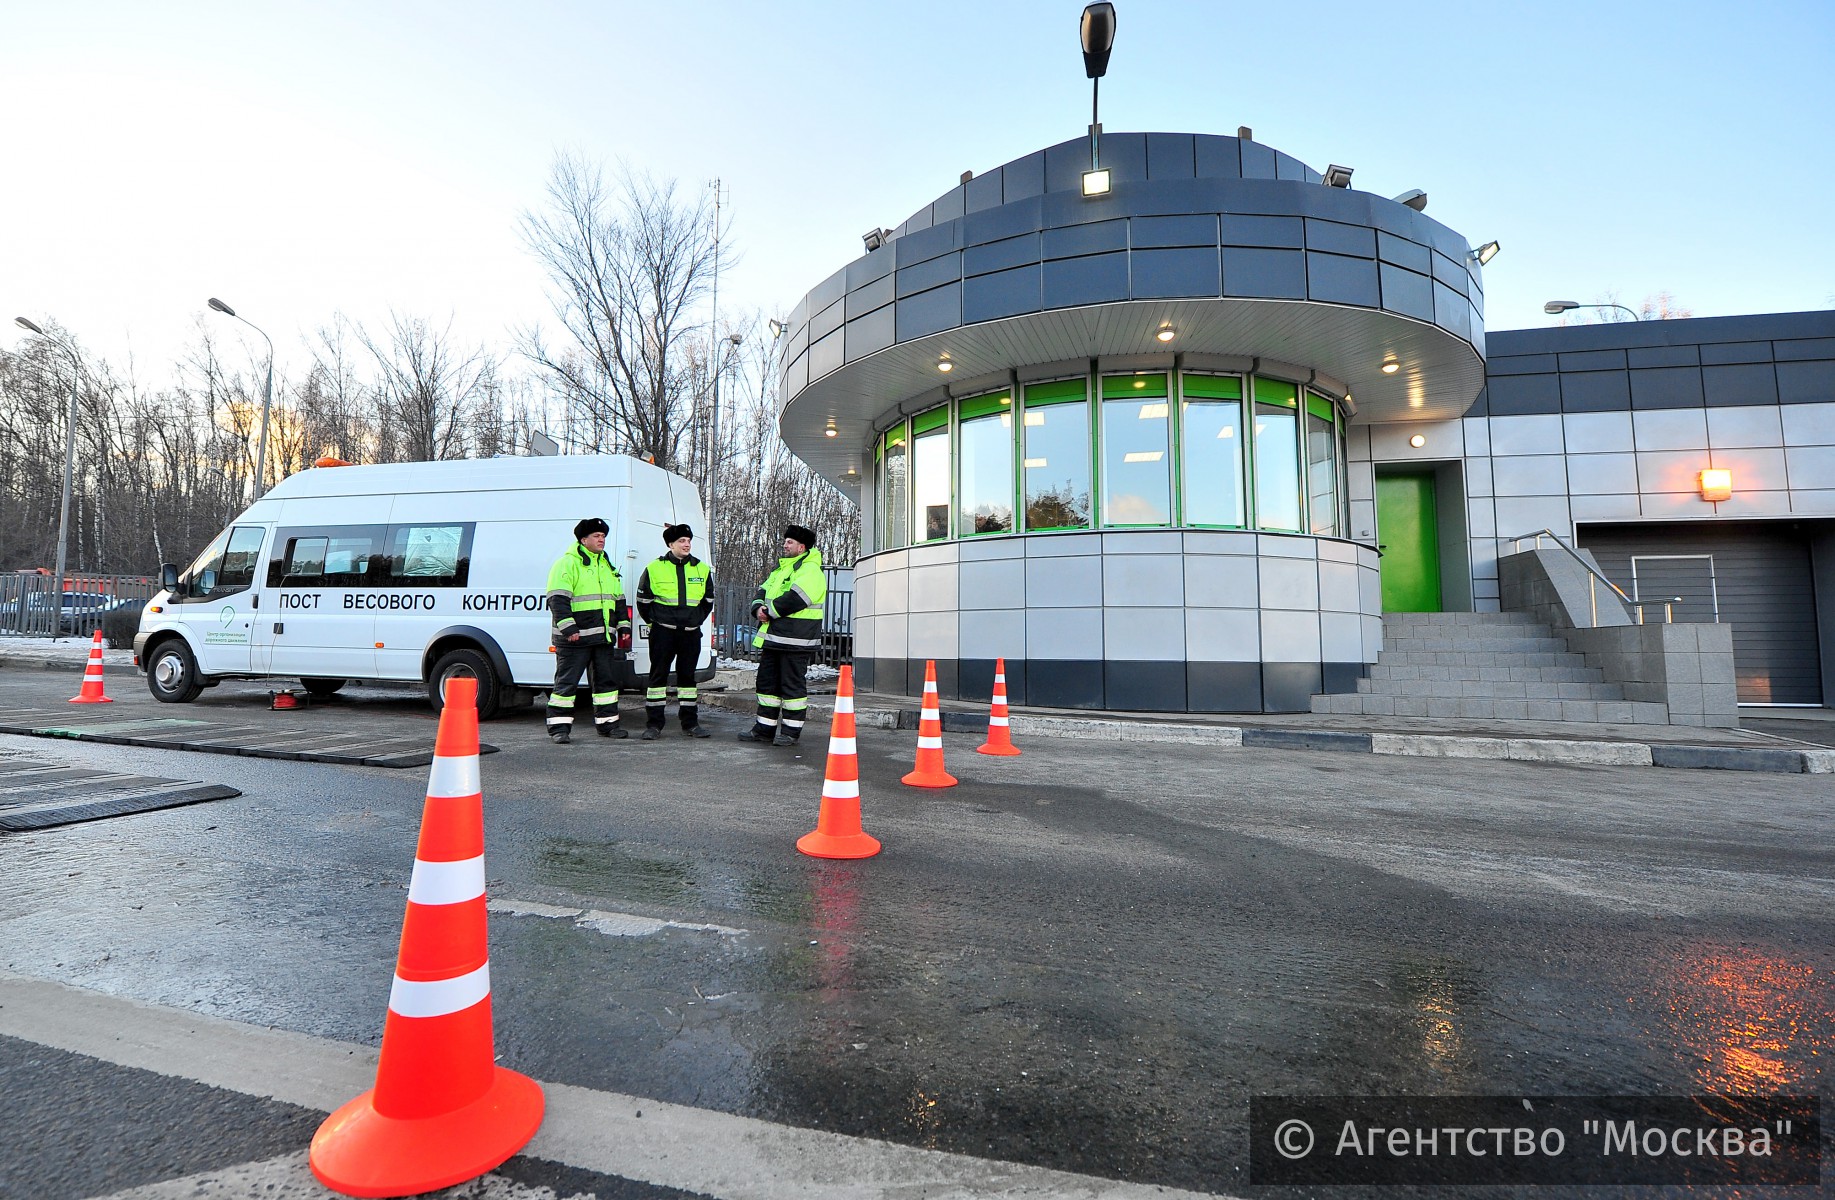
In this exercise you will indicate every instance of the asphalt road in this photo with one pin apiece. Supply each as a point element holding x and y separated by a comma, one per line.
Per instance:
<point>1088,958</point>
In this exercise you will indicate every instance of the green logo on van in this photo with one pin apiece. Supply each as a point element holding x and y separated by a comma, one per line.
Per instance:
<point>227,615</point>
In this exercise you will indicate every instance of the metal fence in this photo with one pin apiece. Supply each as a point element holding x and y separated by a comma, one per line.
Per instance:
<point>111,603</point>
<point>733,626</point>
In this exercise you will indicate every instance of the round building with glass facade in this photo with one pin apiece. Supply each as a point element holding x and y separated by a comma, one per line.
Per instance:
<point>1104,437</point>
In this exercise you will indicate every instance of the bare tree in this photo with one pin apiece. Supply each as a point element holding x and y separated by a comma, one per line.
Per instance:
<point>627,268</point>
<point>428,390</point>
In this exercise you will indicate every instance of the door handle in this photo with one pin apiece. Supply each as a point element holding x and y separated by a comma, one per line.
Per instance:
<point>280,627</point>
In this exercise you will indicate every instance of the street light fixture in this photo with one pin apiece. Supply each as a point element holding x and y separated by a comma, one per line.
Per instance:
<point>713,490</point>
<point>267,400</point>
<point>1557,307</point>
<point>1097,31</point>
<point>63,510</point>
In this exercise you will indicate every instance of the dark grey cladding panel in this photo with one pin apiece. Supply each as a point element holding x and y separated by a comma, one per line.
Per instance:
<point>928,274</point>
<point>1701,331</point>
<point>1520,395</point>
<point>919,220</point>
<point>1065,164</point>
<point>1521,364</point>
<point>1481,407</point>
<point>1282,232</point>
<point>1009,220</point>
<point>1666,387</point>
<point>875,331</point>
<point>1270,197</point>
<point>1335,237</point>
<point>827,321</point>
<point>1191,271</point>
<point>867,297</point>
<point>948,206</point>
<point>827,354</point>
<point>1806,382</point>
<point>1094,238</point>
<point>998,256</point>
<point>1451,274</point>
<point>1144,686</point>
<point>800,313</point>
<point>865,270</point>
<point>1339,279</point>
<point>1023,178</point>
<point>1801,349</point>
<point>1002,294</point>
<point>1451,310</point>
<point>1444,240</point>
<point>1664,356</point>
<point>1593,360</point>
<point>930,312</point>
<point>1223,687</point>
<point>1736,352</point>
<point>1745,383</point>
<point>1090,280</point>
<point>796,376</point>
<point>1286,166</point>
<point>1257,161</point>
<point>1595,391</point>
<point>985,191</point>
<point>1173,231</point>
<point>828,291</point>
<point>1177,197</point>
<point>1406,292</point>
<point>1125,154</point>
<point>1217,157</point>
<point>1061,209</point>
<point>926,244</point>
<point>1170,156</point>
<point>1270,274</point>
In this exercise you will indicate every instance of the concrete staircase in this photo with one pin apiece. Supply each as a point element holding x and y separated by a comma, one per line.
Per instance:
<point>1501,666</point>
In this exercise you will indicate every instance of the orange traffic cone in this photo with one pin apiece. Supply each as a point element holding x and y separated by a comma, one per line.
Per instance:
<point>838,833</point>
<point>930,772</point>
<point>92,677</point>
<point>442,1111</point>
<point>1000,737</point>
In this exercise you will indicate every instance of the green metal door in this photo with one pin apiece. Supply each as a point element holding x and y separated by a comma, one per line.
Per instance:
<point>1407,526</point>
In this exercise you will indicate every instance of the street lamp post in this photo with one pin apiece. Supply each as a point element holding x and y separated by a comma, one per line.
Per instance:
<point>713,475</point>
<point>1557,307</point>
<point>267,400</point>
<point>63,511</point>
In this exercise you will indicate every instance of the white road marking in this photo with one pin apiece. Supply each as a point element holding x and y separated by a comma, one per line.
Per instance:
<point>670,1145</point>
<point>612,924</point>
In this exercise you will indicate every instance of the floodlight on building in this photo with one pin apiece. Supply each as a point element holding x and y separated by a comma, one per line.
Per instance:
<point>1414,198</point>
<point>1096,183</point>
<point>1418,440</point>
<point>777,328</point>
<point>875,238</point>
<point>1486,252</point>
<point>1716,484</point>
<point>1337,176</point>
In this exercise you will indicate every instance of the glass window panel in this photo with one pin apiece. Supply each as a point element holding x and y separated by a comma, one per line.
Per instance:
<point>1321,472</point>
<point>238,569</point>
<point>1136,453</point>
<point>1057,463</point>
<point>930,483</point>
<point>987,475</point>
<point>1277,456</point>
<point>1213,443</point>
<point>894,522</point>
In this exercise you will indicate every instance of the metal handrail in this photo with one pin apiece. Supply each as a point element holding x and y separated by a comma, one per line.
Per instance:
<point>1669,612</point>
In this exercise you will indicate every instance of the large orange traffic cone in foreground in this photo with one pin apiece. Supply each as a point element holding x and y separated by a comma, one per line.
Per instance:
<point>930,772</point>
<point>442,1111</point>
<point>838,833</point>
<point>1000,737</point>
<point>92,677</point>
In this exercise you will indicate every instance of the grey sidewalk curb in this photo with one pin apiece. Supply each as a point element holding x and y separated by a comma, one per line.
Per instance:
<point>1542,750</point>
<point>69,666</point>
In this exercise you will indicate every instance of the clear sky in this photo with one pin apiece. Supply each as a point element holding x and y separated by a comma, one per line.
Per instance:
<point>305,158</point>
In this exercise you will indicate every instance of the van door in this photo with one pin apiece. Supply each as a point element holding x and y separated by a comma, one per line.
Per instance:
<point>322,617</point>
<point>217,601</point>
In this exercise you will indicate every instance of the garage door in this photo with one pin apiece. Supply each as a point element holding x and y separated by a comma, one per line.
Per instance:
<point>1753,576</point>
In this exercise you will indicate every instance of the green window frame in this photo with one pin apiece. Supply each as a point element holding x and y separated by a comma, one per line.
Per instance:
<point>1059,409</point>
<point>984,465</point>
<point>1137,451</point>
<point>895,487</point>
<point>1279,503</point>
<point>1214,470</point>
<point>1324,476</point>
<point>931,498</point>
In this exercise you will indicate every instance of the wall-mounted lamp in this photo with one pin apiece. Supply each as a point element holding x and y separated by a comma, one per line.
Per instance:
<point>1418,440</point>
<point>778,328</point>
<point>1716,484</point>
<point>1166,333</point>
<point>875,238</point>
<point>1414,198</point>
<point>1337,176</point>
<point>1096,183</point>
<point>1486,252</point>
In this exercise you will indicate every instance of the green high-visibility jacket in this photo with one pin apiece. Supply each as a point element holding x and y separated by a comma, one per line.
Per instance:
<point>586,596</point>
<point>675,593</point>
<point>794,593</point>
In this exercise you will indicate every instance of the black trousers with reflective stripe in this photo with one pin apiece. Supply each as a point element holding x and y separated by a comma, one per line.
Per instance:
<point>677,650</point>
<point>599,661</point>
<point>783,691</point>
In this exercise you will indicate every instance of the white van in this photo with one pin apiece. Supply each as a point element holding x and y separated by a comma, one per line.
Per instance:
<point>406,571</point>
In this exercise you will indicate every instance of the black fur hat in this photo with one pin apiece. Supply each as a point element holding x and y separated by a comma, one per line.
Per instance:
<point>801,534</point>
<point>672,532</point>
<point>589,526</point>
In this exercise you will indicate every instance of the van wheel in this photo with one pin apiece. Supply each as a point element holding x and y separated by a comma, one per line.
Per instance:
<point>172,674</point>
<point>465,664</point>
<point>321,688</point>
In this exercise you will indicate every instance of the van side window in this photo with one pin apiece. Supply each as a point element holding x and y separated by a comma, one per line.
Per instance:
<point>429,555</point>
<point>236,573</point>
<point>325,556</point>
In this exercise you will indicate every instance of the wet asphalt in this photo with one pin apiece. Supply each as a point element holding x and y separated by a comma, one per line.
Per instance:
<point>1087,958</point>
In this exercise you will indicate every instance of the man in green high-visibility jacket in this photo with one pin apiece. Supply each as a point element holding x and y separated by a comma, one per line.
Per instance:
<point>592,630</point>
<point>674,596</point>
<point>788,611</point>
